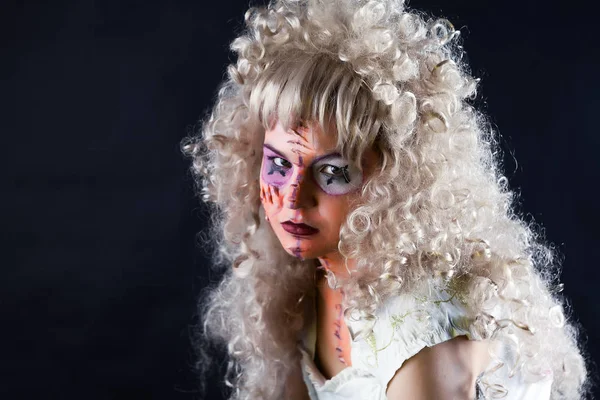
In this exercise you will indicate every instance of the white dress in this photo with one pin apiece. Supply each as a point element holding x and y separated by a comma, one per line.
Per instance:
<point>405,324</point>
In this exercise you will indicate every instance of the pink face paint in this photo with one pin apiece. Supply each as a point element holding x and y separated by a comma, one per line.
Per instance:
<point>332,173</point>
<point>270,199</point>
<point>276,170</point>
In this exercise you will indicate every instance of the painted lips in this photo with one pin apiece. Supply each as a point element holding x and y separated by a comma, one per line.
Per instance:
<point>299,229</point>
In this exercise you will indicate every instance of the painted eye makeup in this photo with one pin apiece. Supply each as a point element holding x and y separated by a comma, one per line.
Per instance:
<point>278,165</point>
<point>337,177</point>
<point>276,170</point>
<point>333,174</point>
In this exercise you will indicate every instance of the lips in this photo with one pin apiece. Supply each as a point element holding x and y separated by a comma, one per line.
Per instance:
<point>299,229</point>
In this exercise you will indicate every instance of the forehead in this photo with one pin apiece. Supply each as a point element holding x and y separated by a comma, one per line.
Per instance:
<point>311,139</point>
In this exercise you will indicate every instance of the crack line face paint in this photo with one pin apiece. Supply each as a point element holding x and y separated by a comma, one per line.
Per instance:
<point>305,180</point>
<point>332,173</point>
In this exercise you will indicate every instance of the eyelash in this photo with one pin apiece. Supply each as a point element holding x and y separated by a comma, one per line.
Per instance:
<point>271,158</point>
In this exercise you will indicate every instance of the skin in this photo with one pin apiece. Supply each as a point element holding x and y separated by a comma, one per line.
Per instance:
<point>333,337</point>
<point>294,186</point>
<point>303,181</point>
<point>446,371</point>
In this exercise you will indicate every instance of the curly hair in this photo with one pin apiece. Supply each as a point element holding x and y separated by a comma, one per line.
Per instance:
<point>393,79</point>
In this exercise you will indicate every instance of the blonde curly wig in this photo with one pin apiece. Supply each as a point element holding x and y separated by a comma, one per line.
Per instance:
<point>392,79</point>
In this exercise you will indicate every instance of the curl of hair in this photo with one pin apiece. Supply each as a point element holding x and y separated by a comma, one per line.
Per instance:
<point>394,79</point>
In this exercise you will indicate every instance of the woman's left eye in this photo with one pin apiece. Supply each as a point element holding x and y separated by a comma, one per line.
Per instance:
<point>338,179</point>
<point>334,172</point>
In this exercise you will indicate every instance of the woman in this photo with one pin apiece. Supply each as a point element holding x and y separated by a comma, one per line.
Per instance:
<point>370,246</point>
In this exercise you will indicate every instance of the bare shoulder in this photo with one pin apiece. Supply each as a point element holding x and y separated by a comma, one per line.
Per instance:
<point>447,370</point>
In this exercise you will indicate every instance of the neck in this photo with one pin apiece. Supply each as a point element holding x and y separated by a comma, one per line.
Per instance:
<point>330,308</point>
<point>336,264</point>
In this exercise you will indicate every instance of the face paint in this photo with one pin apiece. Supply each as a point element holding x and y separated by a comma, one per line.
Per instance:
<point>270,198</point>
<point>304,181</point>
<point>276,170</point>
<point>337,176</point>
<point>333,174</point>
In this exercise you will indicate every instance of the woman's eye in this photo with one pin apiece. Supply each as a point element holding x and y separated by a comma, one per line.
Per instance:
<point>335,173</point>
<point>338,179</point>
<point>279,165</point>
<point>280,162</point>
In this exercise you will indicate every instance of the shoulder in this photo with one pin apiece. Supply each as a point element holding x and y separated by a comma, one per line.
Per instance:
<point>445,370</point>
<point>426,328</point>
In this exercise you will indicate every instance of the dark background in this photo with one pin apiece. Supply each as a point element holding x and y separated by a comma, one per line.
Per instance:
<point>100,270</point>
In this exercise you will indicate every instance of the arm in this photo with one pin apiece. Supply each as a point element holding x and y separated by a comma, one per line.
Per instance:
<point>446,371</point>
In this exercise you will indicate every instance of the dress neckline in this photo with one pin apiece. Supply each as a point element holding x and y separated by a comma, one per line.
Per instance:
<point>318,379</point>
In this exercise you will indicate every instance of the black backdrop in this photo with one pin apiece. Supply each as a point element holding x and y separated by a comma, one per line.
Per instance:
<point>100,270</point>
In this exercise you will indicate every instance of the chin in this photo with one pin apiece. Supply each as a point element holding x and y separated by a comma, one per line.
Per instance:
<point>301,248</point>
<point>300,253</point>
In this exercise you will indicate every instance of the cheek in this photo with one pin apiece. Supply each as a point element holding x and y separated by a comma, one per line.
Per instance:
<point>334,209</point>
<point>270,197</point>
<point>338,190</point>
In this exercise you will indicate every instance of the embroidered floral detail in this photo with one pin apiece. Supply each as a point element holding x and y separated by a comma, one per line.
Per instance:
<point>398,320</point>
<point>452,290</point>
<point>372,342</point>
<point>457,287</point>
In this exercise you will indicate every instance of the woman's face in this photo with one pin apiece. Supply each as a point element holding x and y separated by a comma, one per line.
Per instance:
<point>307,188</point>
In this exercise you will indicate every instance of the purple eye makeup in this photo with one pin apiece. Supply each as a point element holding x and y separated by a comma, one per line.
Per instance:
<point>337,176</point>
<point>276,169</point>
<point>333,174</point>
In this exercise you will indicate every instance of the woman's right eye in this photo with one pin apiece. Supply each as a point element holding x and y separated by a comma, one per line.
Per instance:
<point>280,162</point>
<point>279,165</point>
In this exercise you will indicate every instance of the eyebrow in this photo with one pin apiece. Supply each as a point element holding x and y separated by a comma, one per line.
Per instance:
<point>319,158</point>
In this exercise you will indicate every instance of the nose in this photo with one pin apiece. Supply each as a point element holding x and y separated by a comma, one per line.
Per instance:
<point>300,192</point>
